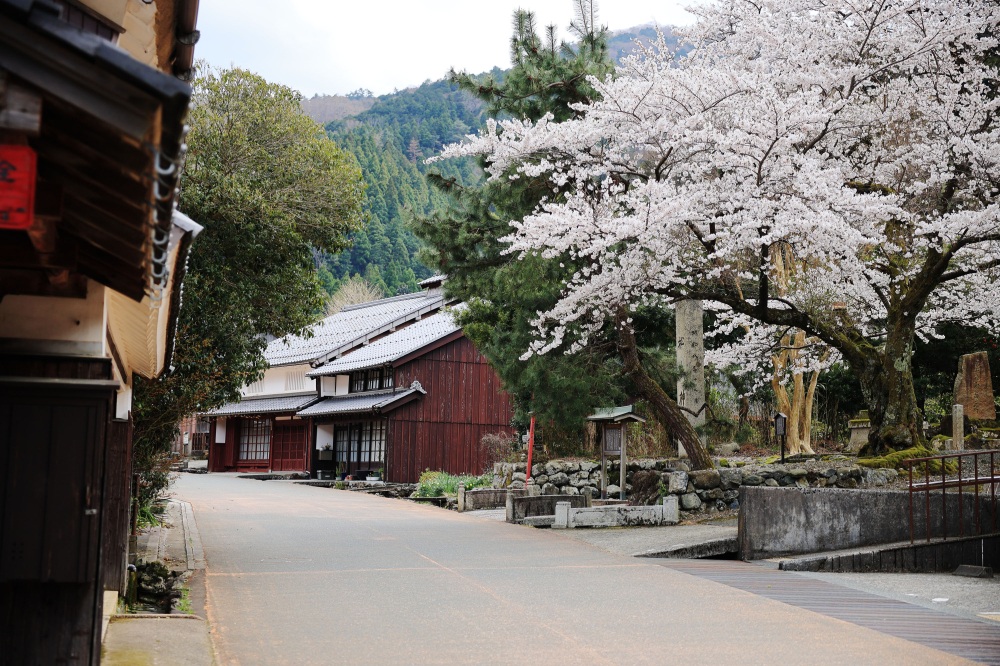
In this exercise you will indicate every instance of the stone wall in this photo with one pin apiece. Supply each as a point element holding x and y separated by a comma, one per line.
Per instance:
<point>704,490</point>
<point>787,521</point>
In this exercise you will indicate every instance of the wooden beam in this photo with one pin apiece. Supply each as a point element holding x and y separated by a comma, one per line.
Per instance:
<point>20,108</point>
<point>36,283</point>
<point>16,251</point>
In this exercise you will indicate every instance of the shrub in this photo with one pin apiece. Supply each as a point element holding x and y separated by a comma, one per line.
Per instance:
<point>436,484</point>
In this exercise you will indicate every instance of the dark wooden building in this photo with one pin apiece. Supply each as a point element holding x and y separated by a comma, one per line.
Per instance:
<point>395,388</point>
<point>421,398</point>
<point>263,431</point>
<point>92,252</point>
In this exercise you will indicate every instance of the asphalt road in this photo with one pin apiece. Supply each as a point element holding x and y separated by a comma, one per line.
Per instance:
<point>303,575</point>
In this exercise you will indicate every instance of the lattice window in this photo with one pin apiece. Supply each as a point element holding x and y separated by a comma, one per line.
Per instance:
<point>341,437</point>
<point>256,387</point>
<point>357,382</point>
<point>255,439</point>
<point>371,380</point>
<point>378,442</point>
<point>355,441</point>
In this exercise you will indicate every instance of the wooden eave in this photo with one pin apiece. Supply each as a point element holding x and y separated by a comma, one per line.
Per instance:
<point>109,152</point>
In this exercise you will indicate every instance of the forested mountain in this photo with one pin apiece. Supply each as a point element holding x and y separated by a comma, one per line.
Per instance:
<point>391,136</point>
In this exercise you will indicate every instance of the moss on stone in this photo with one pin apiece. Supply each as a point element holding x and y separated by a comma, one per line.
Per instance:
<point>896,460</point>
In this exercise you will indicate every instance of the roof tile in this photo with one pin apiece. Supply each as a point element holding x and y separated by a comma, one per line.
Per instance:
<point>351,326</point>
<point>392,347</point>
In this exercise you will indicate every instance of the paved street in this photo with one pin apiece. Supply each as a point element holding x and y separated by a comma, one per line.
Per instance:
<point>300,575</point>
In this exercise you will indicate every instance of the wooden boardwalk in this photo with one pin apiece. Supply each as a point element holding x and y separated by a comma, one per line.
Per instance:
<point>967,638</point>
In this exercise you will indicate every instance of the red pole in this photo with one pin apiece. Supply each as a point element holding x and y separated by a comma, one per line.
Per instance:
<point>531,449</point>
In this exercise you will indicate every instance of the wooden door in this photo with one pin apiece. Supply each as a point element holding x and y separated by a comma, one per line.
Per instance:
<point>288,446</point>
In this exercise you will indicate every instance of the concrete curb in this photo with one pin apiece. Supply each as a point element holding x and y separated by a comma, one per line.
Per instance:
<point>192,540</point>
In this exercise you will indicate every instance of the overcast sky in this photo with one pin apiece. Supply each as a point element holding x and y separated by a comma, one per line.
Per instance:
<point>334,47</point>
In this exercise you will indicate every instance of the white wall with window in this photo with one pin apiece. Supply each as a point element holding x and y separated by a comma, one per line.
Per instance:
<point>282,379</point>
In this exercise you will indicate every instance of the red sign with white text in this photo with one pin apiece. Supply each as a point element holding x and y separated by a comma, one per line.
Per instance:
<point>18,171</point>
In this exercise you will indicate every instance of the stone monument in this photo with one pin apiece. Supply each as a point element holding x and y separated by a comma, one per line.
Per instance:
<point>974,387</point>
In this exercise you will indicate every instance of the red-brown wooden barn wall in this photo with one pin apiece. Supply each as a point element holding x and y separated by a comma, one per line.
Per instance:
<point>443,429</point>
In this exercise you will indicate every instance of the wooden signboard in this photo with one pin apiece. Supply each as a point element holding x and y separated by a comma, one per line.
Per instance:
<point>17,186</point>
<point>613,445</point>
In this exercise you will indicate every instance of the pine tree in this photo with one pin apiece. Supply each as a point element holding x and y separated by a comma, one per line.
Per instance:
<point>547,77</point>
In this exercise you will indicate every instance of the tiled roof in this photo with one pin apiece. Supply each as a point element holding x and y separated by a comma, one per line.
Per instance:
<point>364,402</point>
<point>265,405</point>
<point>393,346</point>
<point>434,280</point>
<point>348,328</point>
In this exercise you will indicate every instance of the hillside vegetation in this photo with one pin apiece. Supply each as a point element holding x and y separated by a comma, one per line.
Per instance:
<point>391,136</point>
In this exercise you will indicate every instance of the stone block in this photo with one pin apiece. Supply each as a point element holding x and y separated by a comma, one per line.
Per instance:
<point>752,480</point>
<point>677,482</point>
<point>559,478</point>
<point>727,449</point>
<point>974,387</point>
<point>731,478</point>
<point>704,479</point>
<point>690,502</point>
<point>561,516</point>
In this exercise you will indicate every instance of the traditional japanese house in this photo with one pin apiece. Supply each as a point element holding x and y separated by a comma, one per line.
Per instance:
<point>420,398</point>
<point>391,387</point>
<point>264,431</point>
<point>92,252</point>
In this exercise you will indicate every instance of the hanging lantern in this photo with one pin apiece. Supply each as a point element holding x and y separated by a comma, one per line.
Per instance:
<point>18,173</point>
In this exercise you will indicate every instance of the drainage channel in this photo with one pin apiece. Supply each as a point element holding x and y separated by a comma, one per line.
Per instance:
<point>970,639</point>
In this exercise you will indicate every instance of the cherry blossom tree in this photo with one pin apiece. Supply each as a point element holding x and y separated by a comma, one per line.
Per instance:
<point>860,138</point>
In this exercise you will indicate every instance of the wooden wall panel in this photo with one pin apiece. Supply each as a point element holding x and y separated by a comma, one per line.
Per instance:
<point>117,504</point>
<point>54,447</point>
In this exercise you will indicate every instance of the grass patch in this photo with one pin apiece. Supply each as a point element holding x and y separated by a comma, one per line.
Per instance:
<point>437,484</point>
<point>184,603</point>
<point>150,516</point>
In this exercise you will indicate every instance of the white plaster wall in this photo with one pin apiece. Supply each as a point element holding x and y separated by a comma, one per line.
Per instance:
<point>275,381</point>
<point>324,436</point>
<point>220,430</point>
<point>343,384</point>
<point>123,402</point>
<point>60,325</point>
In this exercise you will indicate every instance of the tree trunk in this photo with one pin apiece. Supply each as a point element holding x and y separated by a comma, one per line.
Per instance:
<point>666,410</point>
<point>886,378</point>
<point>798,406</point>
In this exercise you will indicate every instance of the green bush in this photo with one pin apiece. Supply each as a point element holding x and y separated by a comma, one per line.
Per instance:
<point>436,484</point>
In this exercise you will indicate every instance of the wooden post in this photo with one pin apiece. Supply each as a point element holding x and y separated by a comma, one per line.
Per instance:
<point>604,468</point>
<point>621,465</point>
